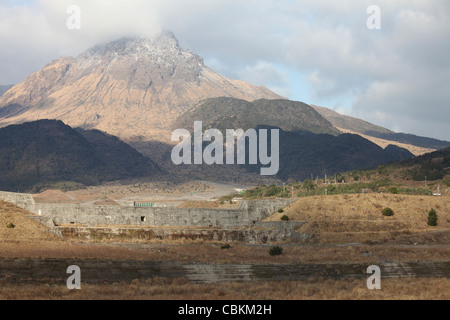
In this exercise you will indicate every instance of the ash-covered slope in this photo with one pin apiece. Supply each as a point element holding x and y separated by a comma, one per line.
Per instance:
<point>131,88</point>
<point>365,128</point>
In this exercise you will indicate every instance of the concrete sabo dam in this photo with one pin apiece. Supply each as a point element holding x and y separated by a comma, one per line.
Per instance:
<point>243,223</point>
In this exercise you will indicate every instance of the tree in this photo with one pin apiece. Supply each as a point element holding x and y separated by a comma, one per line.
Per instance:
<point>432,218</point>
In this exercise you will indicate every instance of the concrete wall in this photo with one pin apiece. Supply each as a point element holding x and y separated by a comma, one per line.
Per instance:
<point>248,213</point>
<point>21,200</point>
<point>275,233</point>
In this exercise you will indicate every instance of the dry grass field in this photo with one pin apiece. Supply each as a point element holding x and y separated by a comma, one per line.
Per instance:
<point>25,229</point>
<point>358,217</point>
<point>182,289</point>
<point>29,239</point>
<point>355,216</point>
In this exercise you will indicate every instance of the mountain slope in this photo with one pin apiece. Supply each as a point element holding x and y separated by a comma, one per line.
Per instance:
<point>432,166</point>
<point>349,123</point>
<point>230,113</point>
<point>131,88</point>
<point>426,174</point>
<point>368,130</point>
<point>309,144</point>
<point>50,151</point>
<point>303,154</point>
<point>4,88</point>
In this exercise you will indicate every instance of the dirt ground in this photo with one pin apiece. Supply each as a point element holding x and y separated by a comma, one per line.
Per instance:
<point>136,190</point>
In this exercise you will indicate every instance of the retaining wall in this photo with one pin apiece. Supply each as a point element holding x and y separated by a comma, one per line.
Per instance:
<point>248,214</point>
<point>22,200</point>
<point>247,235</point>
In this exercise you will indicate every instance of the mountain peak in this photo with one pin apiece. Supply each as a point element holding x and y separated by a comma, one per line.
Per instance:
<point>158,48</point>
<point>131,87</point>
<point>157,58</point>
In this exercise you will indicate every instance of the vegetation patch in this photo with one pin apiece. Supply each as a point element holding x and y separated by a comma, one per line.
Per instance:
<point>276,251</point>
<point>432,218</point>
<point>388,212</point>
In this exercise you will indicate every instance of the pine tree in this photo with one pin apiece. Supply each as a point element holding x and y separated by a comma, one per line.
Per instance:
<point>432,218</point>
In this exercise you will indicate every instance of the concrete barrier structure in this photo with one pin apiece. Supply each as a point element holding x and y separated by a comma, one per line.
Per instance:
<point>275,232</point>
<point>22,200</point>
<point>248,214</point>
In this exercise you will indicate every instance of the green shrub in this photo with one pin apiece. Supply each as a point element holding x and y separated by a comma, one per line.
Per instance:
<point>285,218</point>
<point>382,189</point>
<point>276,251</point>
<point>308,184</point>
<point>432,218</point>
<point>10,226</point>
<point>225,247</point>
<point>388,212</point>
<point>393,190</point>
<point>281,211</point>
<point>272,191</point>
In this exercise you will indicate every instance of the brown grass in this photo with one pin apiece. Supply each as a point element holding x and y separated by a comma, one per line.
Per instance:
<point>212,253</point>
<point>342,219</point>
<point>358,218</point>
<point>25,230</point>
<point>30,240</point>
<point>181,289</point>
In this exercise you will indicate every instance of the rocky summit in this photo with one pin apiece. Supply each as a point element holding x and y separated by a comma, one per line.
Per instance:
<point>131,88</point>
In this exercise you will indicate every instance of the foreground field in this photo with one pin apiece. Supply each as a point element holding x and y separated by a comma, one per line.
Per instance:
<point>181,289</point>
<point>402,239</point>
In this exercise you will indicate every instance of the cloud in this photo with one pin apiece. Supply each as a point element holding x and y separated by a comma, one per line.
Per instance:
<point>39,27</point>
<point>267,74</point>
<point>395,76</point>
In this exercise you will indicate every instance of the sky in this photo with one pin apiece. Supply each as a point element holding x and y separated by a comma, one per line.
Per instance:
<point>319,52</point>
